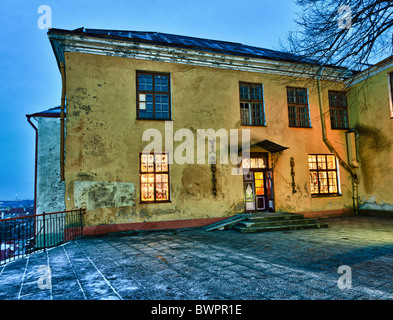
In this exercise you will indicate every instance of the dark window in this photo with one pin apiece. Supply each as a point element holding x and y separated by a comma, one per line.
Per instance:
<point>391,84</point>
<point>391,93</point>
<point>298,112</point>
<point>154,177</point>
<point>251,104</point>
<point>153,96</point>
<point>323,174</point>
<point>338,110</point>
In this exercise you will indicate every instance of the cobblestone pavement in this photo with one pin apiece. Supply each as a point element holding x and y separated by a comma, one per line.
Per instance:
<point>199,265</point>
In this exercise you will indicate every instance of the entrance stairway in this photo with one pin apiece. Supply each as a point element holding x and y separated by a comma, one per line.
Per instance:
<point>265,222</point>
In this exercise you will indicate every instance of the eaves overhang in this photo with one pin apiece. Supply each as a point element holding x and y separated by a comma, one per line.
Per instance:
<point>50,113</point>
<point>268,146</point>
<point>77,41</point>
<point>370,71</point>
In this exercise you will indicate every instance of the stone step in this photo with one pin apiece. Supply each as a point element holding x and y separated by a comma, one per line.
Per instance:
<point>227,223</point>
<point>271,223</point>
<point>279,227</point>
<point>274,216</point>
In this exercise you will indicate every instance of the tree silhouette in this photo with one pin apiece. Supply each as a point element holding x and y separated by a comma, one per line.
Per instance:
<point>351,34</point>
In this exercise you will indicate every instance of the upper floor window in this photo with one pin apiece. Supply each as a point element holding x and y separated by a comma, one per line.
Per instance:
<point>298,112</point>
<point>338,110</point>
<point>323,174</point>
<point>251,104</point>
<point>391,94</point>
<point>153,95</point>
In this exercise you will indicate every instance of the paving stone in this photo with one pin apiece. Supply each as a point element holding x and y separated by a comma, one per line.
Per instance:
<point>200,265</point>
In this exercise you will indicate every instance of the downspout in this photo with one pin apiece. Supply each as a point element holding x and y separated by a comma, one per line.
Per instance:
<point>35,165</point>
<point>63,93</point>
<point>355,179</point>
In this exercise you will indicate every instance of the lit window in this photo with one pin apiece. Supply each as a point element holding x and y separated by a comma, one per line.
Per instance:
<point>323,174</point>
<point>254,163</point>
<point>154,177</point>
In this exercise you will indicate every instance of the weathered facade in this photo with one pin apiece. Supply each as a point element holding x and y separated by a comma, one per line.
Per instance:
<point>370,94</point>
<point>126,90</point>
<point>49,186</point>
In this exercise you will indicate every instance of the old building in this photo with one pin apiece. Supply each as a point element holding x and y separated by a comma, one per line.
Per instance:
<point>129,94</point>
<point>371,113</point>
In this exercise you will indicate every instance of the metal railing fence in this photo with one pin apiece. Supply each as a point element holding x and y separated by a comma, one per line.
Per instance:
<point>23,235</point>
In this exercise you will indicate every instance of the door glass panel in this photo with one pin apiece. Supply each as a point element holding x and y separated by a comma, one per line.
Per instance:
<point>249,191</point>
<point>260,190</point>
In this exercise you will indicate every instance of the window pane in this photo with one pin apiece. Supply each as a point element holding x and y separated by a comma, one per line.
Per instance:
<point>257,114</point>
<point>256,93</point>
<point>147,187</point>
<point>246,162</point>
<point>145,82</point>
<point>334,118</point>
<point>332,182</point>
<point>321,162</point>
<point>161,83</point>
<point>142,97</point>
<point>314,182</point>
<point>291,95</point>
<point>261,163</point>
<point>245,113</point>
<point>162,187</point>
<point>323,183</point>
<point>312,162</point>
<point>292,115</point>
<point>301,95</point>
<point>332,99</point>
<point>253,163</point>
<point>244,92</point>
<point>331,162</point>
<point>144,163</point>
<point>303,116</point>
<point>342,101</point>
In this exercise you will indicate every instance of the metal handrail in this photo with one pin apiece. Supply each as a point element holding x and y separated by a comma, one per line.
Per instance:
<point>40,232</point>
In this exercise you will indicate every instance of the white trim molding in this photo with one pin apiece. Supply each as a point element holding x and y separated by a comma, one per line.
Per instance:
<point>131,48</point>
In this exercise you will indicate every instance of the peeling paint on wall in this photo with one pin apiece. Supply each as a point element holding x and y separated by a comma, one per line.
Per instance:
<point>102,194</point>
<point>50,190</point>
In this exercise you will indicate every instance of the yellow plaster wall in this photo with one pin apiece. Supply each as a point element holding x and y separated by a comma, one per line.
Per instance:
<point>370,114</point>
<point>104,139</point>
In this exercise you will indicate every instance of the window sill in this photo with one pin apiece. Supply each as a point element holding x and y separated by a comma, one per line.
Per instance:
<point>325,195</point>
<point>154,202</point>
<point>299,127</point>
<point>154,119</point>
<point>253,125</point>
<point>340,128</point>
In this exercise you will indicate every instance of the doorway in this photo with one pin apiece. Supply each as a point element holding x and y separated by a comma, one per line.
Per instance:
<point>258,183</point>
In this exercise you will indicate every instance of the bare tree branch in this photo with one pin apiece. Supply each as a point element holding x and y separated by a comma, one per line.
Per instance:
<point>365,36</point>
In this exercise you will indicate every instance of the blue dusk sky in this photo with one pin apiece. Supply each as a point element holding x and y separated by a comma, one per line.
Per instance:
<point>30,80</point>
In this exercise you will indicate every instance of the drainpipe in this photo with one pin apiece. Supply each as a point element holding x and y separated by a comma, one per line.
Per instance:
<point>63,92</point>
<point>35,165</point>
<point>355,179</point>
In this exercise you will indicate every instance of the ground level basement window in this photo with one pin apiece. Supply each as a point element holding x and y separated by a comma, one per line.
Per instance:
<point>323,175</point>
<point>154,178</point>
